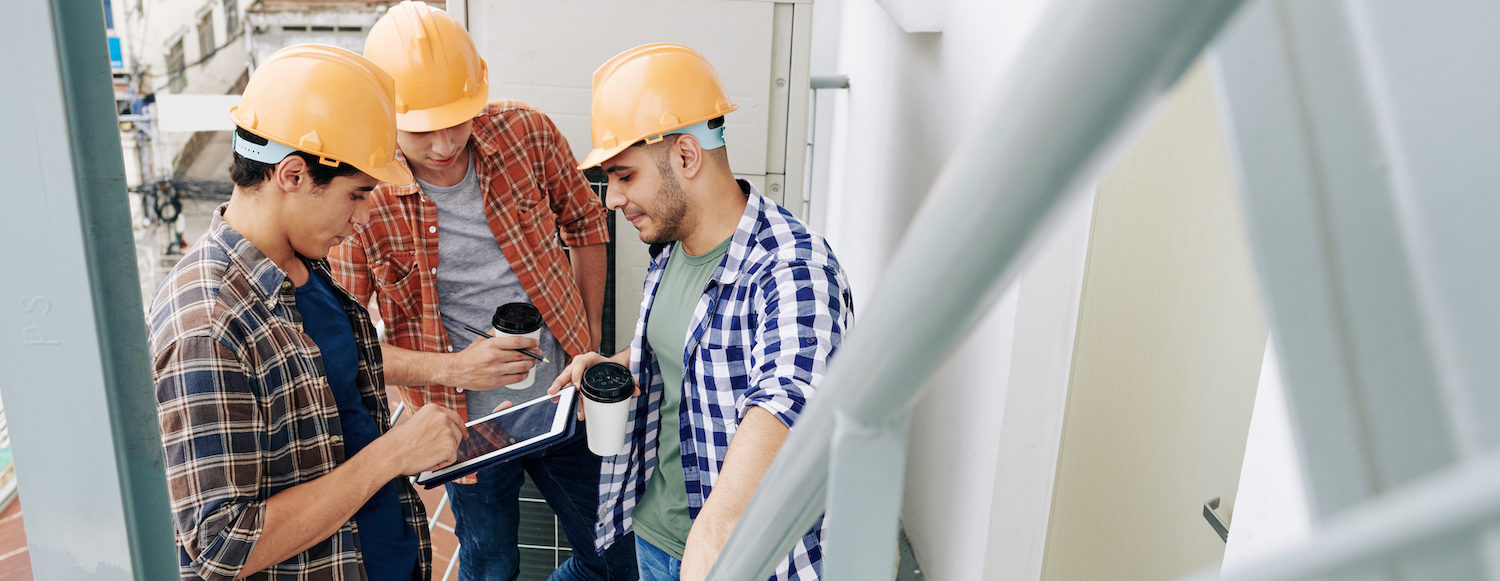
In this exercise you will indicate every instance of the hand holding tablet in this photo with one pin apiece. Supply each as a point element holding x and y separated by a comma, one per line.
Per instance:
<point>509,433</point>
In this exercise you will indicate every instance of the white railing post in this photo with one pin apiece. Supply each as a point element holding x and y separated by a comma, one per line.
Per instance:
<point>1092,68</point>
<point>866,469</point>
<point>1438,511</point>
<point>1360,134</point>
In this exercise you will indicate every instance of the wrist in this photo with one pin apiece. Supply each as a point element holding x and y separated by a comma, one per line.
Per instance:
<point>382,465</point>
<point>442,369</point>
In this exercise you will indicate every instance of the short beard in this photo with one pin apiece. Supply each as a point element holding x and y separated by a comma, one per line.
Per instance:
<point>671,205</point>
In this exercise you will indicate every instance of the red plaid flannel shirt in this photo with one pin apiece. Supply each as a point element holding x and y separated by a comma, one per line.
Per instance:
<point>532,192</point>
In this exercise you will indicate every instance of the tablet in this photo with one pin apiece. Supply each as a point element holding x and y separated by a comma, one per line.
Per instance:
<point>507,434</point>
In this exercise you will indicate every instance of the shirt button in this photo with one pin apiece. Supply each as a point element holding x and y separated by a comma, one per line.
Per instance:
<point>434,271</point>
<point>450,348</point>
<point>458,389</point>
<point>432,229</point>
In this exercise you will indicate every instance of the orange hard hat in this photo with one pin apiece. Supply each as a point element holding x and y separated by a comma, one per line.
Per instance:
<point>328,102</point>
<point>440,79</point>
<point>648,92</point>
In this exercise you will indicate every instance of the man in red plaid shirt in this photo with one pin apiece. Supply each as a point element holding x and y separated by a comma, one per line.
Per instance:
<point>496,197</point>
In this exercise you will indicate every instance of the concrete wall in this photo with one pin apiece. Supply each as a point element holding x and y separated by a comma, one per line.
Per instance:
<point>148,28</point>
<point>276,25</point>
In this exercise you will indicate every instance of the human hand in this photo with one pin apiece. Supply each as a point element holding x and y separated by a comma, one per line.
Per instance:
<point>573,375</point>
<point>427,440</point>
<point>488,363</point>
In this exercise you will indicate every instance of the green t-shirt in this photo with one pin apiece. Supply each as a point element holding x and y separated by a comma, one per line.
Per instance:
<point>661,517</point>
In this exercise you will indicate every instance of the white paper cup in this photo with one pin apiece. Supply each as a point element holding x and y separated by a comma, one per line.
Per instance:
<point>519,320</point>
<point>606,390</point>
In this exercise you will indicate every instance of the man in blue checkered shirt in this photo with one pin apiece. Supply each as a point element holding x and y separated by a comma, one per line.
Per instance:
<point>743,307</point>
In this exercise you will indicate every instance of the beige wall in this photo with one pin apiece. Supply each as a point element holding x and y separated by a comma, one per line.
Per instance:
<point>1168,352</point>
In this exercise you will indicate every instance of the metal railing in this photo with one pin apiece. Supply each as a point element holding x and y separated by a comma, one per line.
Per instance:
<point>1460,501</point>
<point>1090,72</point>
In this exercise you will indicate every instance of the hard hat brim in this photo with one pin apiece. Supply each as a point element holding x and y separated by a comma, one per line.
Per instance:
<point>597,157</point>
<point>438,118</point>
<point>394,173</point>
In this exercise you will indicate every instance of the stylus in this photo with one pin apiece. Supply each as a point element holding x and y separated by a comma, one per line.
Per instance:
<point>481,333</point>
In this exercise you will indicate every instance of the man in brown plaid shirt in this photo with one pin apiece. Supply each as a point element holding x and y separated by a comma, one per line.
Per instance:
<point>280,463</point>
<point>496,197</point>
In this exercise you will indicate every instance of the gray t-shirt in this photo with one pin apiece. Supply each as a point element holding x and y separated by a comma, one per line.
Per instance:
<point>473,278</point>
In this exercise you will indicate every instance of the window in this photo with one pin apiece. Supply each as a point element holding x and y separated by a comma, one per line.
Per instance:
<point>206,34</point>
<point>176,63</point>
<point>231,18</point>
<point>109,16</point>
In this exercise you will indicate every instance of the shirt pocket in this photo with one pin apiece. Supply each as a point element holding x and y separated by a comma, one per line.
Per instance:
<point>722,370</point>
<point>400,286</point>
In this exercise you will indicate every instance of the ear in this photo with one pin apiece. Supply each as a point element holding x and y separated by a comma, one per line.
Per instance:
<point>690,153</point>
<point>291,174</point>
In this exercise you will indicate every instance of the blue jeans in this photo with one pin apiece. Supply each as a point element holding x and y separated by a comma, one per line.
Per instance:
<point>488,513</point>
<point>656,564</point>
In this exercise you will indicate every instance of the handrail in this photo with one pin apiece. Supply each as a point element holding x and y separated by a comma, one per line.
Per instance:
<point>1461,500</point>
<point>1091,69</point>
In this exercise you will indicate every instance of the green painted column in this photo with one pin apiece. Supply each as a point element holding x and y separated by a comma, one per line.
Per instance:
<point>74,369</point>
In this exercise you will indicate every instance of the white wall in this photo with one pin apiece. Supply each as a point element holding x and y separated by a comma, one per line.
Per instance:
<point>1168,353</point>
<point>1272,511</point>
<point>878,147</point>
<point>545,54</point>
<point>994,489</point>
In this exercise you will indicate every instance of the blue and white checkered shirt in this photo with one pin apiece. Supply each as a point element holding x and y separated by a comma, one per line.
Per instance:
<point>771,315</point>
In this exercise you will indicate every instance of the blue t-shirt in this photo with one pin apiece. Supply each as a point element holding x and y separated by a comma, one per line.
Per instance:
<point>387,543</point>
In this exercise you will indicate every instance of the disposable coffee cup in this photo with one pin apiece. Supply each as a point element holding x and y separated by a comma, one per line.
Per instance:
<point>607,387</point>
<point>519,320</point>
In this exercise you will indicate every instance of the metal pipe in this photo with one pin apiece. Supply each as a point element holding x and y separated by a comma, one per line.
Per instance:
<point>828,82</point>
<point>1454,504</point>
<point>1091,69</point>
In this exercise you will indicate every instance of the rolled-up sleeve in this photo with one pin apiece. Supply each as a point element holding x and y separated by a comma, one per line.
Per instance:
<point>801,318</point>
<point>211,427</point>
<point>581,217</point>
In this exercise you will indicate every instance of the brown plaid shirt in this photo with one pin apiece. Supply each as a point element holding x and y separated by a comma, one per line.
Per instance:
<point>246,411</point>
<point>532,194</point>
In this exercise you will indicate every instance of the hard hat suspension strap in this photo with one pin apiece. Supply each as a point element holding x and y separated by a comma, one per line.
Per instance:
<point>707,138</point>
<point>272,152</point>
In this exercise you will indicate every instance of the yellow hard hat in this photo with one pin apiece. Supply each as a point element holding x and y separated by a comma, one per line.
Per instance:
<point>650,91</point>
<point>328,102</point>
<point>440,79</point>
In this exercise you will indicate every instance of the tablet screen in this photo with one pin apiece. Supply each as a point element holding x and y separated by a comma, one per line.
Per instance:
<point>508,432</point>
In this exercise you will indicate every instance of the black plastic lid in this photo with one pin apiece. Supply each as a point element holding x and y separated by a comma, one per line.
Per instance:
<point>607,382</point>
<point>517,318</point>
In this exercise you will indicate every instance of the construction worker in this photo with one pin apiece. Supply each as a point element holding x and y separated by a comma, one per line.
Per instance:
<point>495,189</point>
<point>743,307</point>
<point>280,463</point>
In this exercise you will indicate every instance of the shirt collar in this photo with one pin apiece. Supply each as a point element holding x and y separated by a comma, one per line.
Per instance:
<point>482,141</point>
<point>739,246</point>
<point>266,276</point>
<point>744,233</point>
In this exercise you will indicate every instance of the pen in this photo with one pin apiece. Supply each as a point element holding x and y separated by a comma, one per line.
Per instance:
<point>481,333</point>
